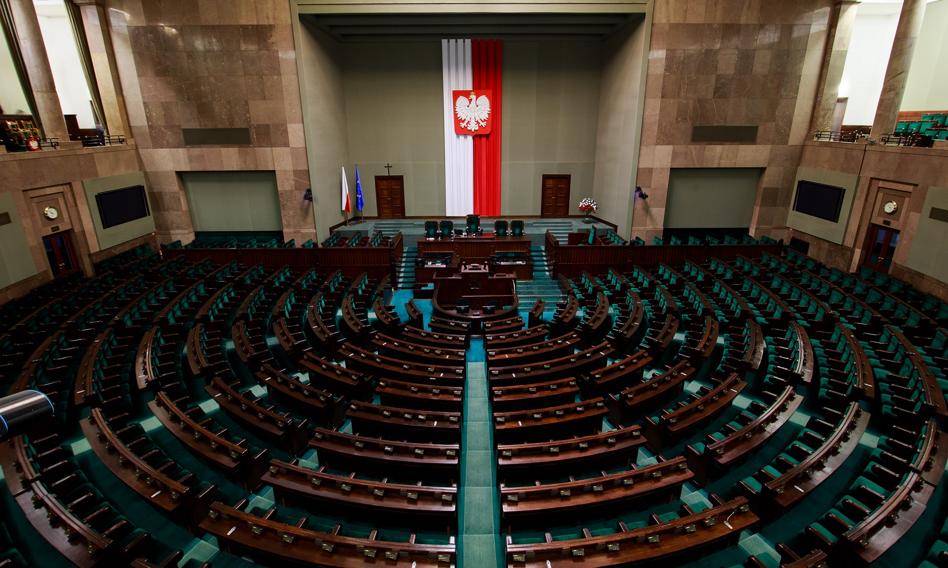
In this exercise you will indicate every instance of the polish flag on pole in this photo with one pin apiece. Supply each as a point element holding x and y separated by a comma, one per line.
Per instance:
<point>346,206</point>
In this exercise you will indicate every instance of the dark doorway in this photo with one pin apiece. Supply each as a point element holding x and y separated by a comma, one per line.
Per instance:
<point>880,248</point>
<point>61,253</point>
<point>555,199</point>
<point>390,196</point>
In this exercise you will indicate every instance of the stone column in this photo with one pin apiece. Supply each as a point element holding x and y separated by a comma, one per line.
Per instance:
<point>896,74</point>
<point>37,67</point>
<point>842,20</point>
<point>96,25</point>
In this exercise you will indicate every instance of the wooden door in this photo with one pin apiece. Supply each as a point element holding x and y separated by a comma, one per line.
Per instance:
<point>61,253</point>
<point>880,248</point>
<point>555,199</point>
<point>390,196</point>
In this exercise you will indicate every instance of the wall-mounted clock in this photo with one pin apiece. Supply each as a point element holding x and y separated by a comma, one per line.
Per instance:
<point>51,213</point>
<point>890,207</point>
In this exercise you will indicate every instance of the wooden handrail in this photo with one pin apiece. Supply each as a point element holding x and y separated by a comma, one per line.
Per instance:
<point>800,480</point>
<point>151,483</point>
<point>651,543</point>
<point>337,446</point>
<point>571,497</point>
<point>272,540</point>
<point>293,480</point>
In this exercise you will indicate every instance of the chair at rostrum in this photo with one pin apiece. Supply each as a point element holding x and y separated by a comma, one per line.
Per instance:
<point>431,229</point>
<point>516,228</point>
<point>447,227</point>
<point>500,228</point>
<point>473,224</point>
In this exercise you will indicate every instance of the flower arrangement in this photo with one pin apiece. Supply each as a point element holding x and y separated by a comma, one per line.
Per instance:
<point>588,205</point>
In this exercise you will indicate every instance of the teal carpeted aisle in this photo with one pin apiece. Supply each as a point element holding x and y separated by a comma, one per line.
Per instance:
<point>480,544</point>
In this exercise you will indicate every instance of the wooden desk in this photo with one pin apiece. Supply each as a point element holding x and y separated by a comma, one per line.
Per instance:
<point>481,246</point>
<point>550,423</point>
<point>414,503</point>
<point>277,542</point>
<point>525,503</point>
<point>425,273</point>
<point>797,482</point>
<point>654,544</point>
<point>421,459</point>
<point>479,289</point>
<point>605,449</point>
<point>721,452</point>
<point>704,406</point>
<point>522,268</point>
<point>159,489</point>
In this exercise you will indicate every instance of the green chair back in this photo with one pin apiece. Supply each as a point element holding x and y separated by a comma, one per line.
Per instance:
<point>473,224</point>
<point>447,227</point>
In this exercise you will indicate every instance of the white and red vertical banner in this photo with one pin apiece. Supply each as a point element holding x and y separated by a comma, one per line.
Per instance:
<point>458,148</point>
<point>472,81</point>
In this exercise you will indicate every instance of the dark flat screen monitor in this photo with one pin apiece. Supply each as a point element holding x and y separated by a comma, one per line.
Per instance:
<point>819,200</point>
<point>122,205</point>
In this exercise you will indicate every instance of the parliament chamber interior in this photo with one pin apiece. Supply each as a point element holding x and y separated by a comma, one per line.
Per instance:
<point>473,283</point>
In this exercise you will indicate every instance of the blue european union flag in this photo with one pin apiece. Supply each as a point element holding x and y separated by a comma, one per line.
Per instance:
<point>359,203</point>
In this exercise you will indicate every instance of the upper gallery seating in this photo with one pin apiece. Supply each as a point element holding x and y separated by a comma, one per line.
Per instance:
<point>930,124</point>
<point>759,410</point>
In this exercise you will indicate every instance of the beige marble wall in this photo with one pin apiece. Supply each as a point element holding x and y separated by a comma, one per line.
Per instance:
<point>212,64</point>
<point>31,175</point>
<point>619,126</point>
<point>729,62</point>
<point>880,168</point>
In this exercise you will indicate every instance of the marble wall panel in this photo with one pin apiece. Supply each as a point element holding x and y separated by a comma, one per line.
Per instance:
<point>26,175</point>
<point>730,62</point>
<point>211,64</point>
<point>915,170</point>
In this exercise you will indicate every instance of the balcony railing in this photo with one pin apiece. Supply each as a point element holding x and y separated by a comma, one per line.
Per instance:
<point>103,140</point>
<point>908,139</point>
<point>850,136</point>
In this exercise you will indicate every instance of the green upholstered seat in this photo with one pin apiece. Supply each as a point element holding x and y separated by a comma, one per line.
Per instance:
<point>824,532</point>
<point>500,228</point>
<point>774,472</point>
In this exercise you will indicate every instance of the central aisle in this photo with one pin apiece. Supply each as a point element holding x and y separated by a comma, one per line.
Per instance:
<point>480,543</point>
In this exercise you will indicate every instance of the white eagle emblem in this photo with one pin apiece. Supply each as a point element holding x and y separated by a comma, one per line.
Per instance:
<point>472,113</point>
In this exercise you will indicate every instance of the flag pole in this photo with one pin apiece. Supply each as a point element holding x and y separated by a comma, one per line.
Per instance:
<point>346,207</point>
<point>360,205</point>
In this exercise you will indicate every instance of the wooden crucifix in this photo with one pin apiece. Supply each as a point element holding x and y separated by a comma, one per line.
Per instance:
<point>388,168</point>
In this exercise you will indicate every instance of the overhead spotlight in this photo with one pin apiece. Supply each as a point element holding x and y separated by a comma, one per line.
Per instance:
<point>639,193</point>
